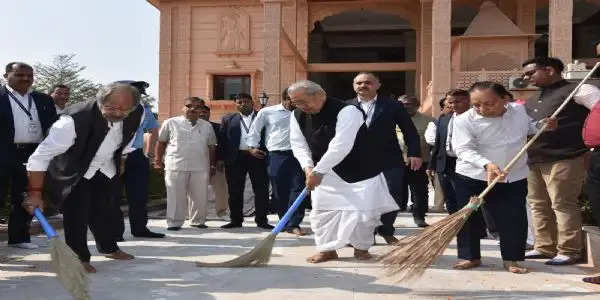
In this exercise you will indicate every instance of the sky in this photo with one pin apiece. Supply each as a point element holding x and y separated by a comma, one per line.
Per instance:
<point>114,39</point>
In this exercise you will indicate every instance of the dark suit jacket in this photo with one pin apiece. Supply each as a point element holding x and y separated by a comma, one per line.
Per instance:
<point>440,161</point>
<point>229,137</point>
<point>387,115</point>
<point>46,113</point>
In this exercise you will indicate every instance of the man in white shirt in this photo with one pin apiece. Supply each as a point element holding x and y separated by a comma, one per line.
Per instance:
<point>79,162</point>
<point>25,117</point>
<point>287,178</point>
<point>485,139</point>
<point>60,94</point>
<point>349,191</point>
<point>187,144</point>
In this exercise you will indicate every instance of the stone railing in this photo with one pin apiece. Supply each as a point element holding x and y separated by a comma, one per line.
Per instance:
<point>464,80</point>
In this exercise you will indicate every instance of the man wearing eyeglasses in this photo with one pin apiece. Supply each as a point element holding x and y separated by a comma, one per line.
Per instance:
<point>187,144</point>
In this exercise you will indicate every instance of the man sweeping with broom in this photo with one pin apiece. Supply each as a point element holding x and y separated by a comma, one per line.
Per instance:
<point>484,139</point>
<point>349,191</point>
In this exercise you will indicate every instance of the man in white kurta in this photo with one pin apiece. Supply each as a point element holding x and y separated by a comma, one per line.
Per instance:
<point>343,213</point>
<point>189,143</point>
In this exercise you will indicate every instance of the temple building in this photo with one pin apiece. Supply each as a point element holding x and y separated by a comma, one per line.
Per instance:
<point>215,49</point>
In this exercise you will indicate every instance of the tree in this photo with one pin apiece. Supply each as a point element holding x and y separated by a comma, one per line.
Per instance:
<point>64,70</point>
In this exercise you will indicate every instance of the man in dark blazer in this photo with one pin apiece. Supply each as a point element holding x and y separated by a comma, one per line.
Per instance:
<point>382,116</point>
<point>25,117</point>
<point>233,149</point>
<point>442,162</point>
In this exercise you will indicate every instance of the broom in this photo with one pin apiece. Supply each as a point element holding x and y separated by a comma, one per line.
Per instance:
<point>69,270</point>
<point>413,254</point>
<point>261,253</point>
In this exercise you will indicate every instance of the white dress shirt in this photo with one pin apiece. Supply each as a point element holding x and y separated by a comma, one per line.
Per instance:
<point>27,130</point>
<point>62,136</point>
<point>276,121</point>
<point>368,108</point>
<point>430,133</point>
<point>346,128</point>
<point>479,140</point>
<point>449,146</point>
<point>187,144</point>
<point>247,120</point>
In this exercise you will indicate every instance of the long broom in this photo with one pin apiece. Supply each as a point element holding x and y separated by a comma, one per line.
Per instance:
<point>413,254</point>
<point>69,270</point>
<point>261,253</point>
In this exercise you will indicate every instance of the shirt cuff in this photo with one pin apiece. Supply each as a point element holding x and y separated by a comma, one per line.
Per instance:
<point>482,162</point>
<point>320,170</point>
<point>37,166</point>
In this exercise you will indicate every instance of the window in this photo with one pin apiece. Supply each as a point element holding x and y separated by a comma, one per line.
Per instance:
<point>225,87</point>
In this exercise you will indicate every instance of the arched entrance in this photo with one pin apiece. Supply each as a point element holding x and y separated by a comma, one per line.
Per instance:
<point>346,43</point>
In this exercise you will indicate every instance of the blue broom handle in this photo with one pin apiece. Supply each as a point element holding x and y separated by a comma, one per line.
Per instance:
<point>47,228</point>
<point>281,224</point>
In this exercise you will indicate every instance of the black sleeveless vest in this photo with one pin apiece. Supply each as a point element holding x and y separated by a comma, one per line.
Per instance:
<point>565,142</point>
<point>319,130</point>
<point>65,170</point>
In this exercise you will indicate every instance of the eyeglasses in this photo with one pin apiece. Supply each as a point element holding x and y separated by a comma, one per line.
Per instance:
<point>194,107</point>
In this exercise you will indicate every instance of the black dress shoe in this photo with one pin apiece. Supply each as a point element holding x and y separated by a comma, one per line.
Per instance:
<point>149,234</point>
<point>420,223</point>
<point>265,226</point>
<point>232,225</point>
<point>119,239</point>
<point>201,226</point>
<point>174,228</point>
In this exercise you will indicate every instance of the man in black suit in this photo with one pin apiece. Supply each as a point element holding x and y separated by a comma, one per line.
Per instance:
<point>217,181</point>
<point>443,161</point>
<point>25,117</point>
<point>233,148</point>
<point>382,116</point>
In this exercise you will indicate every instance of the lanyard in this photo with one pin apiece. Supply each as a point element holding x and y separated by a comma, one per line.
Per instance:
<point>26,110</point>
<point>247,127</point>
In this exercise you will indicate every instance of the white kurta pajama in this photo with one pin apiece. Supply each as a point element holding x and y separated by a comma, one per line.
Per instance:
<point>343,213</point>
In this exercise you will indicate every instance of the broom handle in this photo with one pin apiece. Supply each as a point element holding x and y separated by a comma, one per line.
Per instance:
<point>281,224</point>
<point>45,225</point>
<point>532,140</point>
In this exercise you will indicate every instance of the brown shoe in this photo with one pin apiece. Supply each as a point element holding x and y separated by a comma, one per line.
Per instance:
<point>390,239</point>
<point>120,255</point>
<point>322,257</point>
<point>362,254</point>
<point>88,268</point>
<point>467,264</point>
<point>514,267</point>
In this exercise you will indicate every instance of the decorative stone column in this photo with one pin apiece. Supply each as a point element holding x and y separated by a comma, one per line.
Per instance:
<point>441,73</point>
<point>425,48</point>
<point>526,20</point>
<point>561,30</point>
<point>272,49</point>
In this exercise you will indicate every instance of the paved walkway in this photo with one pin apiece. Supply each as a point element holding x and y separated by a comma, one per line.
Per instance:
<point>164,269</point>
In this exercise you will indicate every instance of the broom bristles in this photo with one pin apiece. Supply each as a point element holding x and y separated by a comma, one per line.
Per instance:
<point>258,256</point>
<point>412,255</point>
<point>69,270</point>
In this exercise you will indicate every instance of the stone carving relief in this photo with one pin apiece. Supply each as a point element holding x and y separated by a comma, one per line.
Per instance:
<point>233,32</point>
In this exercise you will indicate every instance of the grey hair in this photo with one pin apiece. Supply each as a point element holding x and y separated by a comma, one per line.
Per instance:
<point>309,87</point>
<point>106,90</point>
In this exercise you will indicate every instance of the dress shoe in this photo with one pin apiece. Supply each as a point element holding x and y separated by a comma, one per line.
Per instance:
<point>149,234</point>
<point>119,239</point>
<point>562,260</point>
<point>120,255</point>
<point>390,239</point>
<point>420,223</point>
<point>174,228</point>
<point>265,226</point>
<point>232,225</point>
<point>28,246</point>
<point>88,268</point>
<point>200,226</point>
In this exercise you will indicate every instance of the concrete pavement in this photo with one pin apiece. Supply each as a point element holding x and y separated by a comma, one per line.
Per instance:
<point>165,269</point>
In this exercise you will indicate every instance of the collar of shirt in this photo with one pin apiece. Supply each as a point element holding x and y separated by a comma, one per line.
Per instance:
<point>366,101</point>
<point>17,94</point>
<point>477,116</point>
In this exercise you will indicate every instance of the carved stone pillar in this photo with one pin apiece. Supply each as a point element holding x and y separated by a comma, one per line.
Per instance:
<point>272,49</point>
<point>526,20</point>
<point>440,47</point>
<point>561,30</point>
<point>425,48</point>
